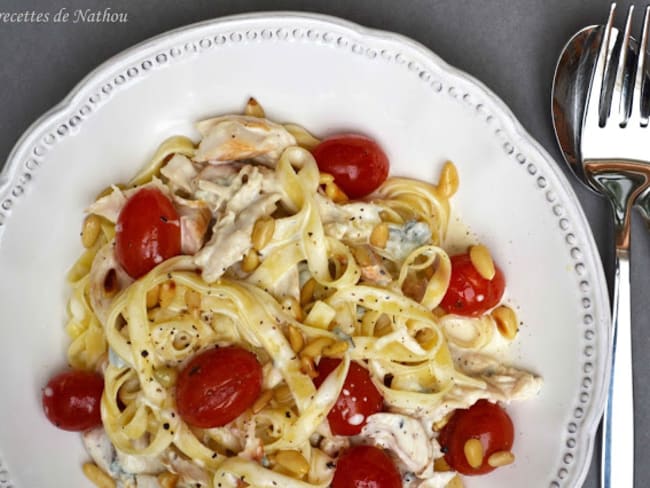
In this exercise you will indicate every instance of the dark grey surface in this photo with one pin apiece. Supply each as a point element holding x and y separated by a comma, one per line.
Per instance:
<point>510,45</point>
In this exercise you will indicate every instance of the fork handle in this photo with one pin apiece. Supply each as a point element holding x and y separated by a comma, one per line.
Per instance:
<point>617,463</point>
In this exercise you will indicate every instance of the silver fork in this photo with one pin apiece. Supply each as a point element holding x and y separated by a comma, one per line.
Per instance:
<point>615,149</point>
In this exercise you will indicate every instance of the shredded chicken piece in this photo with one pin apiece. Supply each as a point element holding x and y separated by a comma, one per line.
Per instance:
<point>180,172</point>
<point>195,217</point>
<point>240,137</point>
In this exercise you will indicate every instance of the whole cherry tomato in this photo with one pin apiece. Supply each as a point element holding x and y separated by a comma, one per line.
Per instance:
<point>358,164</point>
<point>366,467</point>
<point>71,400</point>
<point>147,232</point>
<point>358,400</point>
<point>485,421</point>
<point>217,386</point>
<point>469,293</point>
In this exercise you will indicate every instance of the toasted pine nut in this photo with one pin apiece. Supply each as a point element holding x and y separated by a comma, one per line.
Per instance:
<point>337,195</point>
<point>293,461</point>
<point>325,179</point>
<point>473,450</point>
<point>193,300</point>
<point>167,480</point>
<point>307,292</point>
<point>335,350</point>
<point>165,376</point>
<point>379,235</point>
<point>250,261</point>
<point>282,394</point>
<point>315,347</point>
<point>97,476</point>
<point>426,337</point>
<point>506,321</point>
<point>262,232</point>
<point>441,465</point>
<point>254,109</point>
<point>455,482</point>
<point>262,401</point>
<point>153,295</point>
<point>501,458</point>
<point>296,339</point>
<point>362,255</point>
<point>307,366</point>
<point>448,181</point>
<point>292,307</point>
<point>90,231</point>
<point>482,261</point>
<point>167,293</point>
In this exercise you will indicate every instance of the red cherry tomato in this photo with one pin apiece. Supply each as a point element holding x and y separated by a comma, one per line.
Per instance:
<point>71,400</point>
<point>469,293</point>
<point>217,386</point>
<point>148,232</point>
<point>358,400</point>
<point>485,421</point>
<point>358,164</point>
<point>366,467</point>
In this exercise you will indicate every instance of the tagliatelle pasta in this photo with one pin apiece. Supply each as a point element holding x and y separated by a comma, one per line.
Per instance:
<point>276,260</point>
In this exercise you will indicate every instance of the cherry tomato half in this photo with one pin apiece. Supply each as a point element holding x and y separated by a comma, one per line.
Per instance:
<point>71,400</point>
<point>217,386</point>
<point>469,293</point>
<point>366,467</point>
<point>485,421</point>
<point>358,400</point>
<point>358,164</point>
<point>148,232</point>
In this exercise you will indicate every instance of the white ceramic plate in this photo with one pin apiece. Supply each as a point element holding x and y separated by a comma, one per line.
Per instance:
<point>328,75</point>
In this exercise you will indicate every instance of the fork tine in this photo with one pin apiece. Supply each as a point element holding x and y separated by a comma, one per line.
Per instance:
<point>592,115</point>
<point>620,95</point>
<point>639,77</point>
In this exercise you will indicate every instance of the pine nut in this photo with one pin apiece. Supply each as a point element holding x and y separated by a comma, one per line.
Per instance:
<point>501,458</point>
<point>292,307</point>
<point>168,480</point>
<point>473,450</point>
<point>192,300</point>
<point>335,193</point>
<point>167,293</point>
<point>426,337</point>
<point>293,461</point>
<point>455,482</point>
<point>90,232</point>
<point>379,235</point>
<point>250,261</point>
<point>307,292</point>
<point>336,350</point>
<point>262,232</point>
<point>307,366</point>
<point>254,109</point>
<point>282,394</point>
<point>296,339</point>
<point>506,321</point>
<point>165,376</point>
<point>441,465</point>
<point>482,261</point>
<point>315,347</point>
<point>448,181</point>
<point>262,401</point>
<point>153,295</point>
<point>97,476</point>
<point>362,256</point>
